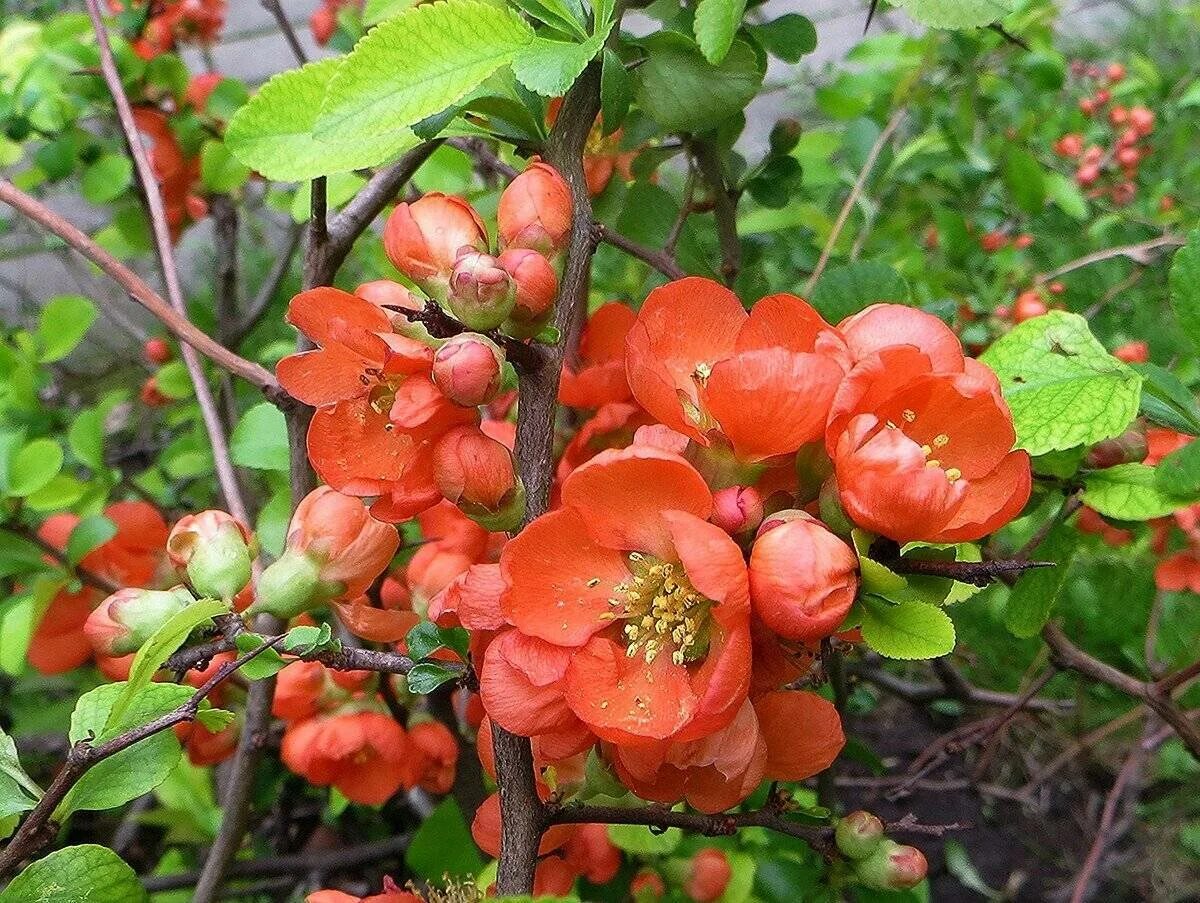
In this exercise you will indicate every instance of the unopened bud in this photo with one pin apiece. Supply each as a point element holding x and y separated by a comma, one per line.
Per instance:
<point>129,617</point>
<point>1130,447</point>
<point>215,550</point>
<point>858,834</point>
<point>482,294</point>
<point>785,135</point>
<point>647,886</point>
<point>1133,352</point>
<point>892,866</point>
<point>289,586</point>
<point>469,369</point>
<point>422,239</point>
<point>708,875</point>
<point>535,210</point>
<point>536,288</point>
<point>476,473</point>
<point>737,509</point>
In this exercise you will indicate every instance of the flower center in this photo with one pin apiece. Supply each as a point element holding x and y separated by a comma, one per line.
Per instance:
<point>662,610</point>
<point>929,449</point>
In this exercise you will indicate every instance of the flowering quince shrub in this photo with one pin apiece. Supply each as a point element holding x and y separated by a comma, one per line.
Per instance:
<point>543,486</point>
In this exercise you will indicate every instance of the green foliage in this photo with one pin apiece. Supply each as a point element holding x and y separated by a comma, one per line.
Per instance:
<point>442,845</point>
<point>260,439</point>
<point>1178,474</point>
<point>1034,596</point>
<point>847,289</point>
<point>1185,287</point>
<point>681,91</point>
<point>89,534</point>
<point>1128,492</point>
<point>957,13</point>
<point>18,791</point>
<point>642,841</point>
<point>908,630</point>
<point>715,26</point>
<point>789,37</point>
<point>73,874</point>
<point>1063,388</point>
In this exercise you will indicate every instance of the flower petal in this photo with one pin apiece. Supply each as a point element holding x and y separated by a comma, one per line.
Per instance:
<point>884,325</point>
<point>803,733</point>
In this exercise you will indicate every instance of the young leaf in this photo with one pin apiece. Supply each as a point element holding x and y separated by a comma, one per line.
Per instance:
<point>427,677</point>
<point>18,791</point>
<point>641,841</point>
<point>910,630</point>
<point>1063,388</point>
<point>63,323</point>
<point>89,534</point>
<point>442,845</point>
<point>1185,287</point>
<point>422,61</point>
<point>789,37</point>
<point>1033,597</point>
<point>549,68</point>
<point>34,466</point>
<point>1129,492</point>
<point>1178,474</point>
<point>681,91</point>
<point>273,133</point>
<point>1167,401</point>
<point>715,25</point>
<point>259,440</point>
<point>262,665</point>
<point>73,874</point>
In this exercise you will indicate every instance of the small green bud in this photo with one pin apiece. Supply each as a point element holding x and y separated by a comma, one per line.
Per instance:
<point>290,586</point>
<point>858,834</point>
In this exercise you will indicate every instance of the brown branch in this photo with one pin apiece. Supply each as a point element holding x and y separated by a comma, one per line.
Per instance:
<point>976,573</point>
<point>285,26</point>
<point>139,291</point>
<point>659,260</point>
<point>484,156</point>
<point>38,829</point>
<point>441,325</point>
<point>1142,253</point>
<point>856,191</point>
<point>1172,682</point>
<point>223,463</point>
<point>725,199</point>
<point>963,690</point>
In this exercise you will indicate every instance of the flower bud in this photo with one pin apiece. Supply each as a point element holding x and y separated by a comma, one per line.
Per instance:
<point>290,585</point>
<point>708,875</point>
<point>858,834</point>
<point>150,395</point>
<point>737,509</point>
<point>535,210</point>
<point>157,351</point>
<point>892,866</point>
<point>215,550</point>
<point>469,369</point>
<point>803,579</point>
<point>476,473</point>
<point>1133,352</point>
<point>536,288</point>
<point>1128,448</point>
<point>129,617</point>
<point>647,886</point>
<point>422,239</point>
<point>482,294</point>
<point>785,135</point>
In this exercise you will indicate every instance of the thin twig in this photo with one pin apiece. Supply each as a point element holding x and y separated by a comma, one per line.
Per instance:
<point>859,184</point>
<point>1142,253</point>
<point>724,207</point>
<point>285,26</point>
<point>659,260</point>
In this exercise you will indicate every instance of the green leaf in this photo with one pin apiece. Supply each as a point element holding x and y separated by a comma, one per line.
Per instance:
<point>1128,492</point>
<point>957,13</point>
<point>307,639</point>
<point>1066,195</point>
<point>90,533</point>
<point>260,439</point>
<point>376,11</point>
<point>789,37</point>
<point>550,68</point>
<point>273,133</point>
<point>173,380</point>
<point>220,171</point>
<point>262,665</point>
<point>715,25</point>
<point>87,872</point>
<point>616,91</point>
<point>741,879</point>
<point>85,437</point>
<point>641,841</point>
<point>63,323</point>
<point>1063,388</point>
<point>1178,474</point>
<point>443,845</point>
<point>1185,287</point>
<point>557,14</point>
<point>1167,401</point>
<point>426,638</point>
<point>18,791</point>
<point>107,179</point>
<point>133,771</point>
<point>682,92</point>
<point>34,466</point>
<point>417,64</point>
<point>162,645</point>
<point>427,677</point>
<point>1025,180</point>
<point>1033,597</point>
<point>910,630</point>
<point>845,290</point>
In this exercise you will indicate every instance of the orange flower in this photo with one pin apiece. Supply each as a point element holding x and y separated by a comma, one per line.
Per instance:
<point>535,210</point>
<point>378,411</point>
<point>632,610</point>
<point>612,426</point>
<point>590,853</point>
<point>59,644</point>
<point>437,752</point>
<point>365,755</point>
<point>599,376</point>
<point>391,894</point>
<point>422,239</point>
<point>351,547</point>
<point>1179,573</point>
<point>921,439</point>
<point>761,382</point>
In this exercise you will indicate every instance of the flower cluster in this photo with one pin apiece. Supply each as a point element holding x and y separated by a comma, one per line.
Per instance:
<point>166,23</point>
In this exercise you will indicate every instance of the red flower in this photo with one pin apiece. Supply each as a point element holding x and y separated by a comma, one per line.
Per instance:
<point>391,894</point>
<point>590,853</point>
<point>1179,573</point>
<point>762,382</point>
<point>631,609</point>
<point>437,753</point>
<point>599,376</point>
<point>350,547</point>
<point>921,439</point>
<point>708,875</point>
<point>365,755</point>
<point>535,210</point>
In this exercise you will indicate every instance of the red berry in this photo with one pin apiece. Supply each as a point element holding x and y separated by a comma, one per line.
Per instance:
<point>1087,174</point>
<point>1128,156</point>
<point>151,396</point>
<point>1087,106</point>
<point>1166,203</point>
<point>1093,154</point>
<point>1069,145</point>
<point>1124,193</point>
<point>1029,304</point>
<point>1118,115</point>
<point>1142,119</point>
<point>157,351</point>
<point>1022,241</point>
<point>1103,96</point>
<point>993,241</point>
<point>1115,73</point>
<point>1056,288</point>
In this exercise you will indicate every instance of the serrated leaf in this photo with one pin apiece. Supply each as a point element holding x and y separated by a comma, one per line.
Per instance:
<point>845,290</point>
<point>415,65</point>
<point>90,533</point>
<point>908,631</point>
<point>556,14</point>
<point>1033,596</point>
<point>307,639</point>
<point>1185,287</point>
<point>1128,492</point>
<point>133,771</point>
<point>426,638</point>
<point>957,13</point>
<point>87,872</point>
<point>549,68</point>
<point>162,644</point>
<point>63,323</point>
<point>682,91</point>
<point>426,677</point>
<point>715,25</point>
<point>260,439</point>
<point>1063,388</point>
<point>273,133</point>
